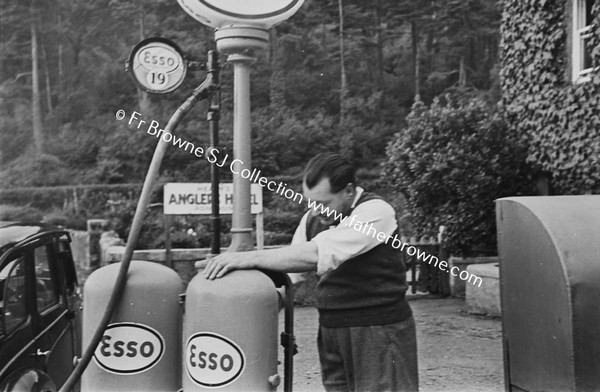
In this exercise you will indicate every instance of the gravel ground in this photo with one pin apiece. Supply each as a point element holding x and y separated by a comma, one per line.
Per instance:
<point>457,351</point>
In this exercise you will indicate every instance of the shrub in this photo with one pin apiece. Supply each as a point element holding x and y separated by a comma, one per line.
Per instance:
<point>65,218</point>
<point>19,213</point>
<point>30,171</point>
<point>451,162</point>
<point>276,238</point>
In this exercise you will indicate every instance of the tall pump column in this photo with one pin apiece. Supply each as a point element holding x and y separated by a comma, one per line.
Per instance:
<point>240,43</point>
<point>241,219</point>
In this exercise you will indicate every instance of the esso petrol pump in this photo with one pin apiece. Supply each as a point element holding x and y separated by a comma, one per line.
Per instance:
<point>227,339</point>
<point>234,347</point>
<point>230,333</point>
<point>139,350</point>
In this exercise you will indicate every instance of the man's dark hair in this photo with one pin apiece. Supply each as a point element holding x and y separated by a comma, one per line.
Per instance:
<point>331,165</point>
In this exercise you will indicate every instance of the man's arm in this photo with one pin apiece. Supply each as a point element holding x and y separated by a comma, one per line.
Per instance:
<point>355,235</point>
<point>294,258</point>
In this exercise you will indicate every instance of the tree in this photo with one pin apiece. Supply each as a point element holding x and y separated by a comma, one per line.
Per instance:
<point>343,79</point>
<point>340,62</point>
<point>36,104</point>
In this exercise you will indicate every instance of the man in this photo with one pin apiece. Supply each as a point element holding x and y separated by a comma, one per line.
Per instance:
<point>367,336</point>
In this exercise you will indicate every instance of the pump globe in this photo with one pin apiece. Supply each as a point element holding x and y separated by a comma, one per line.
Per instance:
<point>262,14</point>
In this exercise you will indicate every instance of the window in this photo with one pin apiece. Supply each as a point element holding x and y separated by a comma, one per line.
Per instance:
<point>44,284</point>
<point>582,31</point>
<point>13,295</point>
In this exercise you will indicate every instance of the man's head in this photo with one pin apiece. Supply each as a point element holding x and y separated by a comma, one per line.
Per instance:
<point>329,180</point>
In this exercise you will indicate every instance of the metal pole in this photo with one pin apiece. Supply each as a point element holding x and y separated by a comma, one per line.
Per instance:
<point>168,256</point>
<point>213,125</point>
<point>260,231</point>
<point>241,225</point>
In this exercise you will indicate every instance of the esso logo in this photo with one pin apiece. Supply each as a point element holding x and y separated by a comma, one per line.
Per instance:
<point>212,360</point>
<point>160,57</point>
<point>129,348</point>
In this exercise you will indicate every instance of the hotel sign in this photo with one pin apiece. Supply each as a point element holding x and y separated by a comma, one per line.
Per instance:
<point>196,199</point>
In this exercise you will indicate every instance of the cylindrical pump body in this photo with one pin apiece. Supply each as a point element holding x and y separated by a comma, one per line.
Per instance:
<point>230,333</point>
<point>140,349</point>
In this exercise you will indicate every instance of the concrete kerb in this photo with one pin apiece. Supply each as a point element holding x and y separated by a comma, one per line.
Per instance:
<point>457,285</point>
<point>485,299</point>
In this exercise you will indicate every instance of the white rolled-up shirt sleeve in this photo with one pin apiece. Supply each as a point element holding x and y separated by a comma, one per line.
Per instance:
<point>299,238</point>
<point>345,241</point>
<point>300,233</point>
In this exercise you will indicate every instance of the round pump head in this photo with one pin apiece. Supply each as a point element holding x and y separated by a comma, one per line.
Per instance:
<point>241,25</point>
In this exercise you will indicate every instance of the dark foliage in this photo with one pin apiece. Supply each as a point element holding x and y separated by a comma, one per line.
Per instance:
<point>451,162</point>
<point>295,96</point>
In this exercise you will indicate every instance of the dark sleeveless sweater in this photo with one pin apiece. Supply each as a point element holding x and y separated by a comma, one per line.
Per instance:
<point>365,290</point>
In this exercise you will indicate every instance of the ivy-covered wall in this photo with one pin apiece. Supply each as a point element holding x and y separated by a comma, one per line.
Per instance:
<point>560,119</point>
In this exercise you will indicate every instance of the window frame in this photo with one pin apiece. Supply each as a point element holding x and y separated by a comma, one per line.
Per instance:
<point>581,31</point>
<point>48,249</point>
<point>19,258</point>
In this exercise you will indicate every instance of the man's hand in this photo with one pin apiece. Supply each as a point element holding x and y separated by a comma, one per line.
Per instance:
<point>294,258</point>
<point>222,264</point>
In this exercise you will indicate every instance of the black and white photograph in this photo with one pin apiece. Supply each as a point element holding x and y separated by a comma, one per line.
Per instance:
<point>299,195</point>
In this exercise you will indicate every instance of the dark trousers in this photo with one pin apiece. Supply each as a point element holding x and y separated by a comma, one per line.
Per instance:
<point>370,358</point>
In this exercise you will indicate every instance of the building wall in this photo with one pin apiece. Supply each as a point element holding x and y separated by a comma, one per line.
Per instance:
<point>559,120</point>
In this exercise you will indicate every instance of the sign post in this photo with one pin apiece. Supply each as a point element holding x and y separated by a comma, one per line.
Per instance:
<point>241,29</point>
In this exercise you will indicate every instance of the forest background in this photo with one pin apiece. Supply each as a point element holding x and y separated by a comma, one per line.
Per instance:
<point>368,79</point>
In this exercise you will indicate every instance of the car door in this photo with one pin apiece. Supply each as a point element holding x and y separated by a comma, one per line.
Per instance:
<point>17,325</point>
<point>58,343</point>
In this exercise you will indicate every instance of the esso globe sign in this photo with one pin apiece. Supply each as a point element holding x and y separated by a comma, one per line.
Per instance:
<point>129,348</point>
<point>157,65</point>
<point>260,13</point>
<point>212,360</point>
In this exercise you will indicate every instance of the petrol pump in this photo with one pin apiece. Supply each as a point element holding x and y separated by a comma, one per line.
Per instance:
<point>136,336</point>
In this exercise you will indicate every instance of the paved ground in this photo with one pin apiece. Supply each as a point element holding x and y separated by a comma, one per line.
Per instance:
<point>457,351</point>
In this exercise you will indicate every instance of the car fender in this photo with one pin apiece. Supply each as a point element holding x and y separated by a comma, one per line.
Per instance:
<point>28,380</point>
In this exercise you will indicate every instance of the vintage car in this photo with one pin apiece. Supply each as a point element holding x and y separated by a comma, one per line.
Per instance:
<point>40,307</point>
